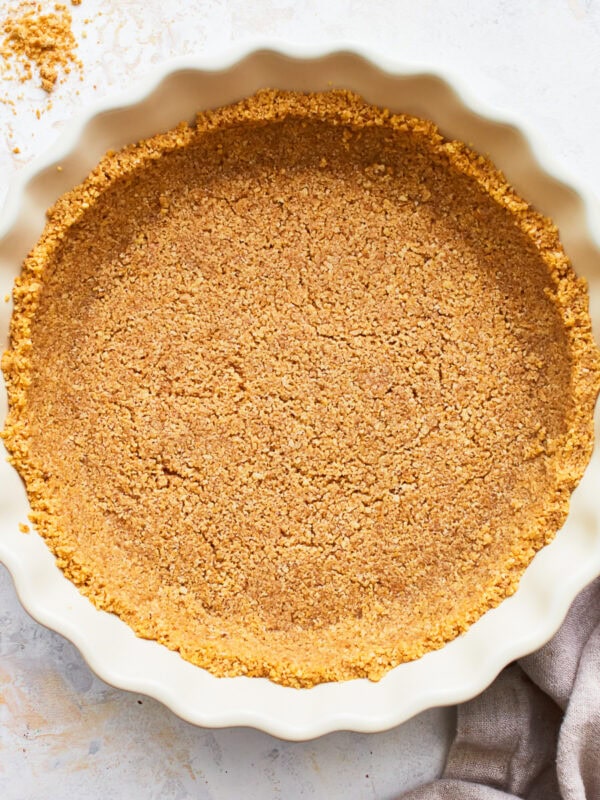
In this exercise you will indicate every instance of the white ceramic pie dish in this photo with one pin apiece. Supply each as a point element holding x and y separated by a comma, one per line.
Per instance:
<point>462,668</point>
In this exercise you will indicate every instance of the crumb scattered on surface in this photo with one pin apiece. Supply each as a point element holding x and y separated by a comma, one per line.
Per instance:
<point>38,44</point>
<point>7,101</point>
<point>306,388</point>
<point>23,528</point>
<point>16,150</point>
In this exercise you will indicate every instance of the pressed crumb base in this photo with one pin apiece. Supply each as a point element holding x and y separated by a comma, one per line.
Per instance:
<point>300,390</point>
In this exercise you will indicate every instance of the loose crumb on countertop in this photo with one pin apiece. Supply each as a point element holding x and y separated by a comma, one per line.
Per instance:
<point>38,44</point>
<point>299,390</point>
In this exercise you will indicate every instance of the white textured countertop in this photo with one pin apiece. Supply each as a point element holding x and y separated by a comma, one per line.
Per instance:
<point>64,733</point>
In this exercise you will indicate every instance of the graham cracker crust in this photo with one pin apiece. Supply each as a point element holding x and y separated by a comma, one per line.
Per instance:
<point>299,390</point>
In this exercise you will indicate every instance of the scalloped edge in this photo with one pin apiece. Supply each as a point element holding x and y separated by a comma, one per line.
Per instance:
<point>465,666</point>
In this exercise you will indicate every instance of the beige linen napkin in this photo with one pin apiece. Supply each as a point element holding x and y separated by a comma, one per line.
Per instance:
<point>535,733</point>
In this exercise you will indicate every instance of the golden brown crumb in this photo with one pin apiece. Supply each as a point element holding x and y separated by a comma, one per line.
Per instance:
<point>306,388</point>
<point>7,298</point>
<point>23,528</point>
<point>16,150</point>
<point>44,40</point>
<point>7,101</point>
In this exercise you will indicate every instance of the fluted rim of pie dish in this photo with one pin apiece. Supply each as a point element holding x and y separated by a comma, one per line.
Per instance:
<point>463,667</point>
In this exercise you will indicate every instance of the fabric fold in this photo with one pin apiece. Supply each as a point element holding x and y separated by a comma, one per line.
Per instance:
<point>535,732</point>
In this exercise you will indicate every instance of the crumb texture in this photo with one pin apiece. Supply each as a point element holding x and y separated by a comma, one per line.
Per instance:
<point>38,42</point>
<point>299,390</point>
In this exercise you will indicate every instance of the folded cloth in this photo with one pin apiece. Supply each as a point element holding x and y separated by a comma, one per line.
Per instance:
<point>535,733</point>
